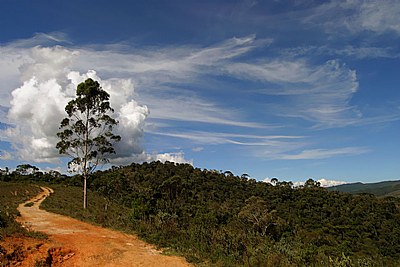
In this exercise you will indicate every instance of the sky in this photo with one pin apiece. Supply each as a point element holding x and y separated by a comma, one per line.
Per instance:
<point>288,89</point>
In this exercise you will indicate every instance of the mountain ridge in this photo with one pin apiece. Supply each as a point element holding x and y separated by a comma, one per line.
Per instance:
<point>380,189</point>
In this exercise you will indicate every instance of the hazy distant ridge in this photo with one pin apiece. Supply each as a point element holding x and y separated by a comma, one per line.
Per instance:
<point>386,188</point>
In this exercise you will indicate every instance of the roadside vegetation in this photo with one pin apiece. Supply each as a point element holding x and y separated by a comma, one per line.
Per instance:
<point>219,219</point>
<point>67,200</point>
<point>11,195</point>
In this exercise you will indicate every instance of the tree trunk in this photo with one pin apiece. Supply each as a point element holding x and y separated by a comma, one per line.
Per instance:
<point>84,192</point>
<point>85,169</point>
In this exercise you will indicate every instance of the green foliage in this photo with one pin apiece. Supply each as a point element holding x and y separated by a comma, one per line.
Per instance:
<point>86,134</point>
<point>343,261</point>
<point>52,177</point>
<point>24,169</point>
<point>223,220</point>
<point>66,200</point>
<point>29,204</point>
<point>11,195</point>
<point>3,220</point>
<point>218,219</point>
<point>382,189</point>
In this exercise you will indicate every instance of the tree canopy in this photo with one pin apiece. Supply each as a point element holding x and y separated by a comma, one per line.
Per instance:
<point>86,134</point>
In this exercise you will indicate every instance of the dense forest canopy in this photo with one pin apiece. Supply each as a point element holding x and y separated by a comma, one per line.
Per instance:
<point>232,220</point>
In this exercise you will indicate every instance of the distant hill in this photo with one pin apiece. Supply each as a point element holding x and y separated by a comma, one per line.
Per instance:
<point>381,189</point>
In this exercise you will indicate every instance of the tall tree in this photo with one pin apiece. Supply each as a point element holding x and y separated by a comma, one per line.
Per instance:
<point>86,134</point>
<point>25,169</point>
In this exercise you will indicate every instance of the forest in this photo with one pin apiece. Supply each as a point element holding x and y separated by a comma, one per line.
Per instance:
<point>216,218</point>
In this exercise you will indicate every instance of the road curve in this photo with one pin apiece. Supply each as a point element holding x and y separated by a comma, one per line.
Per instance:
<point>92,245</point>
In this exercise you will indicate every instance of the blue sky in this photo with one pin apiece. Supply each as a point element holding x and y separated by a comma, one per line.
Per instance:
<point>287,89</point>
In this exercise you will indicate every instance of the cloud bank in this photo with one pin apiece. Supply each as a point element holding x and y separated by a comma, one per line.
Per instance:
<point>37,107</point>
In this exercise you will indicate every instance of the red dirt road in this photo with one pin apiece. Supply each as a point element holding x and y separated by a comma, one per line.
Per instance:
<point>88,245</point>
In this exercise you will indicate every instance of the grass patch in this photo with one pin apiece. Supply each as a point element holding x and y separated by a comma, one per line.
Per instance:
<point>68,200</point>
<point>29,204</point>
<point>11,195</point>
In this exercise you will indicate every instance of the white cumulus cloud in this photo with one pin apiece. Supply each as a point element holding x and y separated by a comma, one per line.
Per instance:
<point>170,81</point>
<point>323,182</point>
<point>328,183</point>
<point>178,157</point>
<point>37,106</point>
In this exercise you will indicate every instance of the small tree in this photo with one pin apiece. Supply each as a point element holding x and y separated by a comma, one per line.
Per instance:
<point>86,134</point>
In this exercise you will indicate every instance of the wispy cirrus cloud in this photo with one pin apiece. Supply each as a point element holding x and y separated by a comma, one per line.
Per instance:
<point>215,138</point>
<point>260,146</point>
<point>357,16</point>
<point>320,94</point>
<point>51,74</point>
<point>40,39</point>
<point>162,65</point>
<point>325,90</point>
<point>361,52</point>
<point>324,153</point>
<point>5,155</point>
<point>195,109</point>
<point>379,16</point>
<point>144,84</point>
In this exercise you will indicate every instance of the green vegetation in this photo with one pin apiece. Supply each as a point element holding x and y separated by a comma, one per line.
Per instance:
<point>218,219</point>
<point>381,189</point>
<point>29,204</point>
<point>11,195</point>
<point>86,134</point>
<point>224,220</point>
<point>66,200</point>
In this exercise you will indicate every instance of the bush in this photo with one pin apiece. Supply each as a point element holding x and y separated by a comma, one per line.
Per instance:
<point>3,221</point>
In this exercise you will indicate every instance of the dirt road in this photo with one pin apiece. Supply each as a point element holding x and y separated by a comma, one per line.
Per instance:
<point>83,244</point>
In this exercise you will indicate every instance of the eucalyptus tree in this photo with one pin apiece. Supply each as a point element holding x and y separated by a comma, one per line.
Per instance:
<point>86,135</point>
<point>26,169</point>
